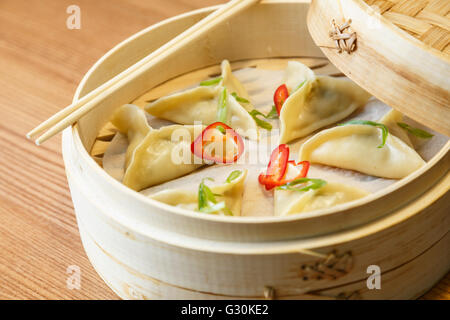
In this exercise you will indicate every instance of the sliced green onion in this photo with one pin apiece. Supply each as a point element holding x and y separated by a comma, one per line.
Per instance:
<point>207,202</point>
<point>415,131</point>
<point>273,114</point>
<point>314,184</point>
<point>221,129</point>
<point>263,124</point>
<point>214,208</point>
<point>383,128</point>
<point>222,108</point>
<point>234,175</point>
<point>239,99</point>
<point>299,86</point>
<point>227,211</point>
<point>211,82</point>
<point>205,195</point>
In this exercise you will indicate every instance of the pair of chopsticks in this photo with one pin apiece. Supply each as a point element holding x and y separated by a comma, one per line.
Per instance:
<point>72,113</point>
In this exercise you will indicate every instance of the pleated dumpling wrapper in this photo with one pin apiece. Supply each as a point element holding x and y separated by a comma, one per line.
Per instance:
<point>233,85</point>
<point>157,156</point>
<point>358,147</point>
<point>208,104</point>
<point>228,196</point>
<point>328,195</point>
<point>315,101</point>
<point>131,121</point>
<point>332,194</point>
<point>391,120</point>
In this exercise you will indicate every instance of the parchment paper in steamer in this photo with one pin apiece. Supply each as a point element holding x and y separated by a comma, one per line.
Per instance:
<point>260,85</point>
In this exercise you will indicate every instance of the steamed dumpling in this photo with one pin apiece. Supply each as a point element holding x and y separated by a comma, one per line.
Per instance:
<point>131,121</point>
<point>161,158</point>
<point>355,147</point>
<point>160,155</point>
<point>288,202</point>
<point>295,74</point>
<point>319,102</point>
<point>229,192</point>
<point>390,120</point>
<point>201,104</point>
<point>232,84</point>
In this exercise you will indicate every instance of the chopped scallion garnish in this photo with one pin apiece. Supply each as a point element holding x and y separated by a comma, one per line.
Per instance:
<point>234,175</point>
<point>221,129</point>
<point>222,108</point>
<point>239,99</point>
<point>211,82</point>
<point>383,128</point>
<point>213,208</point>
<point>273,114</point>
<point>299,86</point>
<point>415,131</point>
<point>308,184</point>
<point>227,211</point>
<point>263,124</point>
<point>207,202</point>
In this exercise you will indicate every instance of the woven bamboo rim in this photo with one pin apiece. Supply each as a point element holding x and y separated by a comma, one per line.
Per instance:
<point>426,20</point>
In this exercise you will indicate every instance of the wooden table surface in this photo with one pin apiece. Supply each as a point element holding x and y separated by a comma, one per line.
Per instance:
<point>41,64</point>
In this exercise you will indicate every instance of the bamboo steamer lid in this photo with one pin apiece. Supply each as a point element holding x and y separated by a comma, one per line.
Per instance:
<point>399,52</point>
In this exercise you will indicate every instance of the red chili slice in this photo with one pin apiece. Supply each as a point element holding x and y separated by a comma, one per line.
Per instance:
<point>305,169</point>
<point>280,96</point>
<point>276,168</point>
<point>302,174</point>
<point>197,147</point>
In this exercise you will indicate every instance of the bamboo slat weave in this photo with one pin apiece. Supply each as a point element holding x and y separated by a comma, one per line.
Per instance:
<point>426,20</point>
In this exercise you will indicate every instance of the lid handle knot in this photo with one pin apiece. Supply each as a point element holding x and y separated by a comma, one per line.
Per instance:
<point>344,38</point>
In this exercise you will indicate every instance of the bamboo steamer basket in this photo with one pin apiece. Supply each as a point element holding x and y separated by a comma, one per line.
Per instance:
<point>144,249</point>
<point>402,56</point>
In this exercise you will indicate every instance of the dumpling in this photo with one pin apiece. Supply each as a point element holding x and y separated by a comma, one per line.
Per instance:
<point>390,120</point>
<point>161,158</point>
<point>291,202</point>
<point>201,104</point>
<point>318,102</point>
<point>233,85</point>
<point>288,202</point>
<point>355,147</point>
<point>228,192</point>
<point>130,120</point>
<point>296,73</point>
<point>161,155</point>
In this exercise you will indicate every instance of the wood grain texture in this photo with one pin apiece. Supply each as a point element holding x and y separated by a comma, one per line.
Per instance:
<point>42,62</point>
<point>390,53</point>
<point>427,20</point>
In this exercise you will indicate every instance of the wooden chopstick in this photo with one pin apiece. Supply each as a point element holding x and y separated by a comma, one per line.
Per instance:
<point>72,113</point>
